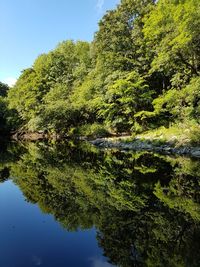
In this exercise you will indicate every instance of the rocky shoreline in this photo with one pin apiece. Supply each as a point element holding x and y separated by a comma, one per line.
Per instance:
<point>34,136</point>
<point>121,143</point>
<point>146,145</point>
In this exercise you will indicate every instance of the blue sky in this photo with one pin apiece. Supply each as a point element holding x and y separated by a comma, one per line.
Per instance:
<point>31,27</point>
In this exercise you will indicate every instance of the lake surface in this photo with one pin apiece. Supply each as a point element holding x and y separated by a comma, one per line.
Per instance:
<point>71,205</point>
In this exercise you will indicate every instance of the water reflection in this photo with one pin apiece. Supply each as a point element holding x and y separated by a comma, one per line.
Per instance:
<point>145,207</point>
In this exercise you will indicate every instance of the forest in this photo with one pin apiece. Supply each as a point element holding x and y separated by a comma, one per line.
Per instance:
<point>140,73</point>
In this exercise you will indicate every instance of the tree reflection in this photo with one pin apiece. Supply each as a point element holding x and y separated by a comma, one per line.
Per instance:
<point>146,207</point>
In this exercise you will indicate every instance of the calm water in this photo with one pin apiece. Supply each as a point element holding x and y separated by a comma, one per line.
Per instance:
<point>68,205</point>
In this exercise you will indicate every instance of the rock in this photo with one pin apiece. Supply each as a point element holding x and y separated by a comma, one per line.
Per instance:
<point>167,149</point>
<point>185,150</point>
<point>97,142</point>
<point>144,145</point>
<point>195,153</point>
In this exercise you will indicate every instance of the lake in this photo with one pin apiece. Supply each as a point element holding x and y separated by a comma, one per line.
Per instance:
<point>73,205</point>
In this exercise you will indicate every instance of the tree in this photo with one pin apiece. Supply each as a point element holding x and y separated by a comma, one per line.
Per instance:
<point>3,89</point>
<point>123,99</point>
<point>171,30</point>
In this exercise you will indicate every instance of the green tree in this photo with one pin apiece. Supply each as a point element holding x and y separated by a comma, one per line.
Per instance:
<point>123,99</point>
<point>171,30</point>
<point>3,89</point>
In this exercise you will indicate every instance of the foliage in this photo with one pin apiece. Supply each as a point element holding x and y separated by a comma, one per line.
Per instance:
<point>145,207</point>
<point>94,130</point>
<point>140,74</point>
<point>9,119</point>
<point>3,89</point>
<point>171,30</point>
<point>3,110</point>
<point>123,99</point>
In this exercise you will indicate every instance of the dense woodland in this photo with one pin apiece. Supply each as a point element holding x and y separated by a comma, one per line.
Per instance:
<point>139,73</point>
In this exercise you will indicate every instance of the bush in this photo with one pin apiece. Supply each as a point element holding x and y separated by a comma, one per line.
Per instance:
<point>95,130</point>
<point>194,135</point>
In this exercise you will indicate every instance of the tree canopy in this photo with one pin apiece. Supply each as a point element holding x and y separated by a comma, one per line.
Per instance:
<point>140,72</point>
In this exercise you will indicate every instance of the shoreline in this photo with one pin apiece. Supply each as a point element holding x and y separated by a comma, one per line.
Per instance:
<point>147,145</point>
<point>120,142</point>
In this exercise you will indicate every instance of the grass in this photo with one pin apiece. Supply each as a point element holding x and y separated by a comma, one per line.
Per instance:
<point>179,135</point>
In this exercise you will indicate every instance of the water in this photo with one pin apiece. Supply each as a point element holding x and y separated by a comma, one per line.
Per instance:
<point>69,205</point>
<point>31,238</point>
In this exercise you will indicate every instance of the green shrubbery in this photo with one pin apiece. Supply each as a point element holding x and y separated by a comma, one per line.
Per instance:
<point>95,130</point>
<point>194,135</point>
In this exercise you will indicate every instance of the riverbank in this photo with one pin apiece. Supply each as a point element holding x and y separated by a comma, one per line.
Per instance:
<point>174,140</point>
<point>137,144</point>
<point>125,143</point>
<point>181,139</point>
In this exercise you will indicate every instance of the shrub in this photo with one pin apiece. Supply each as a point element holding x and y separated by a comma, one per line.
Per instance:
<point>95,130</point>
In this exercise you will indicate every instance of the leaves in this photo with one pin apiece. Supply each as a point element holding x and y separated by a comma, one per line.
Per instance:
<point>140,72</point>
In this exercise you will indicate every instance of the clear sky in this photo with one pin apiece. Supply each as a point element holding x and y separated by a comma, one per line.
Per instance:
<point>31,27</point>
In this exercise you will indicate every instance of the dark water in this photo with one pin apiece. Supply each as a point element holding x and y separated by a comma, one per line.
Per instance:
<point>67,205</point>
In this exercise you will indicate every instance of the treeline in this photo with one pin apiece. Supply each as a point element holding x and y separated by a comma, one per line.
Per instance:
<point>9,118</point>
<point>140,72</point>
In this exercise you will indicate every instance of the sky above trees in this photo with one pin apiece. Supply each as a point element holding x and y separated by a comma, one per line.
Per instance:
<point>29,28</point>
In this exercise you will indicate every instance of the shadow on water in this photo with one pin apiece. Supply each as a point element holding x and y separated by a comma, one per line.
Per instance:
<point>145,207</point>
